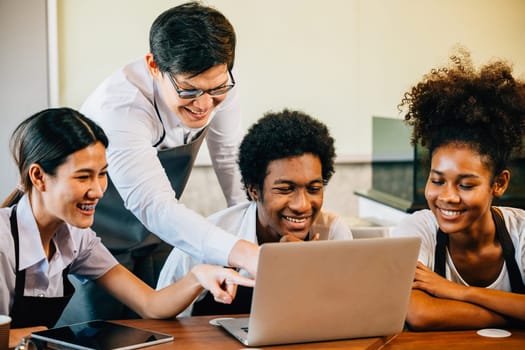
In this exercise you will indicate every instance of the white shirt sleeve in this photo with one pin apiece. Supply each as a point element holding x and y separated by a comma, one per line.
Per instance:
<point>421,223</point>
<point>127,115</point>
<point>77,247</point>
<point>93,259</point>
<point>340,230</point>
<point>7,262</point>
<point>330,226</point>
<point>223,139</point>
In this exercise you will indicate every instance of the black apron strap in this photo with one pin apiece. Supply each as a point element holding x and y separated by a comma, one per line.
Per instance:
<point>508,251</point>
<point>161,123</point>
<point>19,283</point>
<point>440,253</point>
<point>28,311</point>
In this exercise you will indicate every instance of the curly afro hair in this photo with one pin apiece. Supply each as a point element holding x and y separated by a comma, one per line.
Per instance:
<point>282,135</point>
<point>484,109</point>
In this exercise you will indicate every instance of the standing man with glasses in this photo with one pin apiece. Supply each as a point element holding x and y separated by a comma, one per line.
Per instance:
<point>156,112</point>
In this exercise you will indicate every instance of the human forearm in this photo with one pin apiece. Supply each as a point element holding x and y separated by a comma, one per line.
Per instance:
<point>220,282</point>
<point>144,300</point>
<point>168,302</point>
<point>223,139</point>
<point>506,303</point>
<point>171,300</point>
<point>426,313</point>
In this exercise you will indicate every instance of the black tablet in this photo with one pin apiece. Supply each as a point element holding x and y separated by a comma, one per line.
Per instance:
<point>100,335</point>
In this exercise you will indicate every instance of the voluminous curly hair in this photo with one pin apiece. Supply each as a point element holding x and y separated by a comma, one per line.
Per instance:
<point>282,135</point>
<point>484,109</point>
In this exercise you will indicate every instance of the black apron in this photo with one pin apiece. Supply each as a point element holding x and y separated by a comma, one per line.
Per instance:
<point>503,236</point>
<point>118,228</point>
<point>134,246</point>
<point>29,311</point>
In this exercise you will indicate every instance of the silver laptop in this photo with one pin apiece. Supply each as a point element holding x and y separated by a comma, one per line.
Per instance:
<point>327,290</point>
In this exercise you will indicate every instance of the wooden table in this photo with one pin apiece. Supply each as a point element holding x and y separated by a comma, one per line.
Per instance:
<point>196,333</point>
<point>468,340</point>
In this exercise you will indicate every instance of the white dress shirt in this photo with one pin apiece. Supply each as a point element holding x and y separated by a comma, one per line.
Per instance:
<point>123,105</point>
<point>81,248</point>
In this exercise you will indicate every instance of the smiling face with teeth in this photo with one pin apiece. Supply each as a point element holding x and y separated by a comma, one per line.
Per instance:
<point>72,193</point>
<point>193,113</point>
<point>291,198</point>
<point>461,187</point>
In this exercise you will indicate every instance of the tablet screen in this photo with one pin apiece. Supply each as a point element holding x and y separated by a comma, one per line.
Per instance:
<point>100,335</point>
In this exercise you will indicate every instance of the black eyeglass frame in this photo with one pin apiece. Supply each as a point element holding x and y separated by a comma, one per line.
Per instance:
<point>194,93</point>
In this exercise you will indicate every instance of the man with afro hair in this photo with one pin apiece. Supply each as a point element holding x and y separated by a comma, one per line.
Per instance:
<point>286,159</point>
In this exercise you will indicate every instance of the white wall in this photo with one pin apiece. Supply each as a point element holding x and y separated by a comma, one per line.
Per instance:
<point>340,60</point>
<point>23,74</point>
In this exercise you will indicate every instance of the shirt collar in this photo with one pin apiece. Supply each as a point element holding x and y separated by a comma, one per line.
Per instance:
<point>31,250</point>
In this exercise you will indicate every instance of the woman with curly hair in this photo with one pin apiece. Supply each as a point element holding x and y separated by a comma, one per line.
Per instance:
<point>471,267</point>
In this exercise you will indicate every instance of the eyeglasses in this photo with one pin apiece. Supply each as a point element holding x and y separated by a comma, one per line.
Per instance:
<point>189,94</point>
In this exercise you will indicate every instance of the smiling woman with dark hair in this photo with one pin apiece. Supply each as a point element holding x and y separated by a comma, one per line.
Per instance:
<point>45,231</point>
<point>471,268</point>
